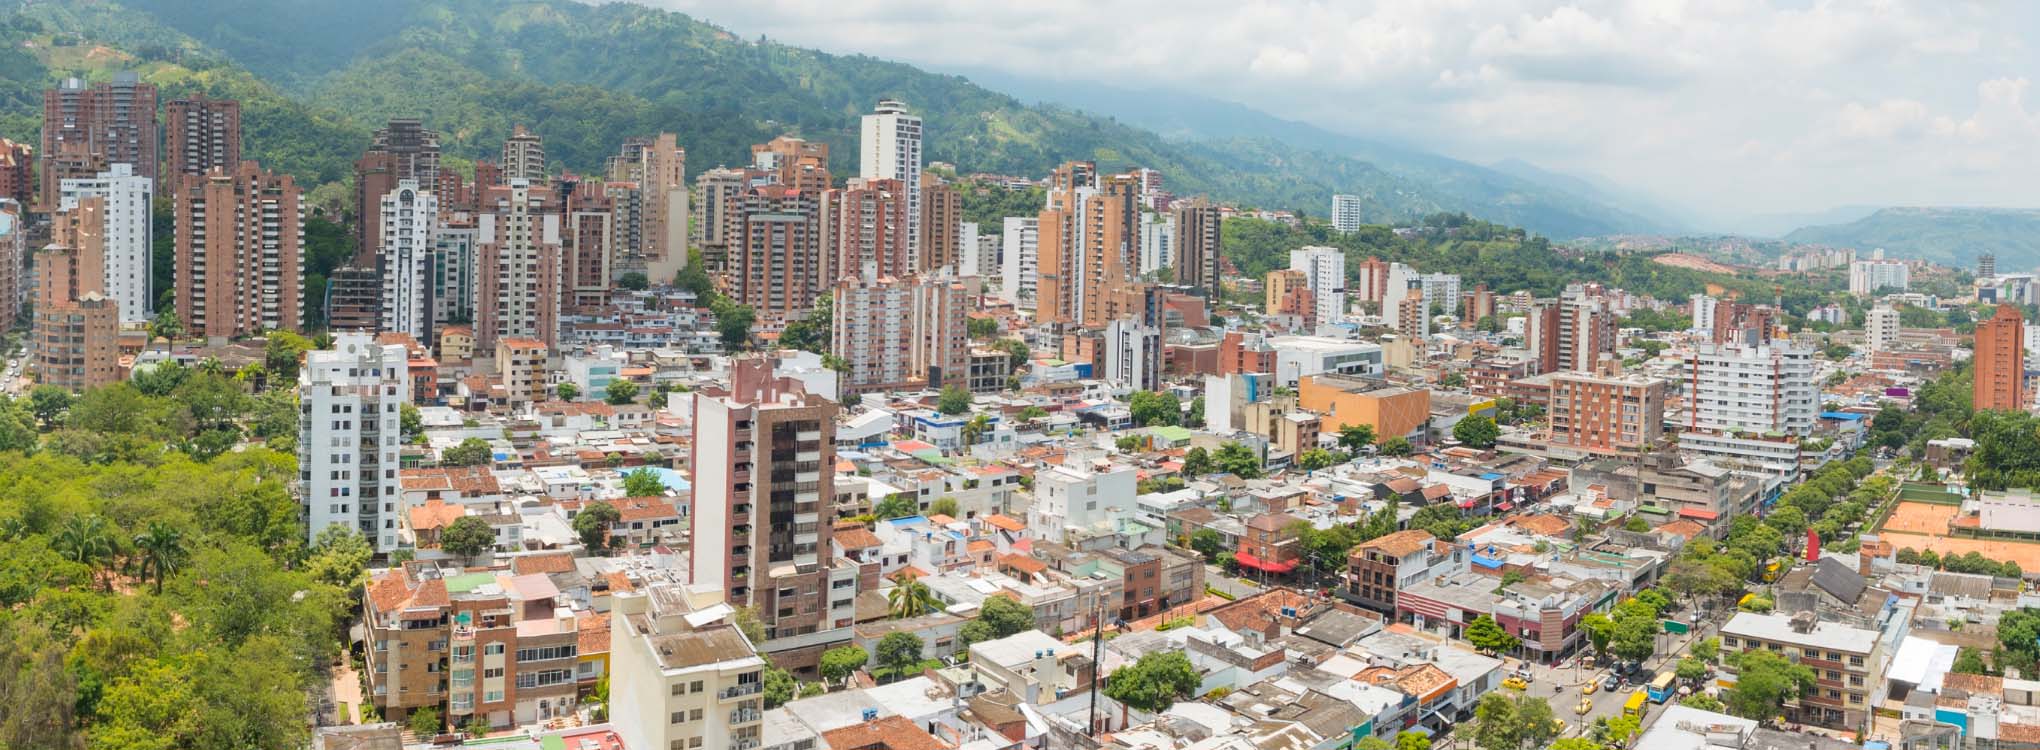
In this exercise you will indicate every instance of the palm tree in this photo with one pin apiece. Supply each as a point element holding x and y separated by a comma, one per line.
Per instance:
<point>975,429</point>
<point>85,540</point>
<point>910,598</point>
<point>161,549</point>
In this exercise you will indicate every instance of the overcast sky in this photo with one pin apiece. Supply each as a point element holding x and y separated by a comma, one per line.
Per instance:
<point>1722,107</point>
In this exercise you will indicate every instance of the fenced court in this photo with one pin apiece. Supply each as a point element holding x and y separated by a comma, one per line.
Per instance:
<point>1928,493</point>
<point>1920,517</point>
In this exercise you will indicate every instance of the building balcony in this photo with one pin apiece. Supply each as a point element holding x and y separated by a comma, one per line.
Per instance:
<point>740,691</point>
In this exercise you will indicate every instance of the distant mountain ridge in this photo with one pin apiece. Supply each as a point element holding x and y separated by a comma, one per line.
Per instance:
<point>1950,236</point>
<point>584,77</point>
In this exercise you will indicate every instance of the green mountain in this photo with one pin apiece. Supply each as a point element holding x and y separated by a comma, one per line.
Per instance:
<point>1951,236</point>
<point>584,77</point>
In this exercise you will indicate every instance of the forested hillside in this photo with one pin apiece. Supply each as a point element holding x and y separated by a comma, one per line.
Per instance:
<point>321,73</point>
<point>1951,236</point>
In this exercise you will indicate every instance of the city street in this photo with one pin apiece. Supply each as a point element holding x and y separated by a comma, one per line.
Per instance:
<point>1560,685</point>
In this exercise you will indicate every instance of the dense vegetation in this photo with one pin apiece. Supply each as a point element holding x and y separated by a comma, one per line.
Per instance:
<point>1506,259</point>
<point>1951,236</point>
<point>316,79</point>
<point>156,590</point>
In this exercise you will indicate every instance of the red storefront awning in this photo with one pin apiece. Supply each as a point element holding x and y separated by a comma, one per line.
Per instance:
<point>1270,566</point>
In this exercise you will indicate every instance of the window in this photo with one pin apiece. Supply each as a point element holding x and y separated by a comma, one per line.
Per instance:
<point>679,688</point>
<point>492,672</point>
<point>694,742</point>
<point>695,688</point>
<point>543,653</point>
<point>694,715</point>
<point>492,649</point>
<point>679,717</point>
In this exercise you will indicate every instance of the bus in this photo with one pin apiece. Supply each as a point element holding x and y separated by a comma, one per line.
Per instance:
<point>1661,688</point>
<point>1634,708</point>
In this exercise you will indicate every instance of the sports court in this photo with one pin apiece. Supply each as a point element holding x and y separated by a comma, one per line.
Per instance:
<point>1924,526</point>
<point>1920,518</point>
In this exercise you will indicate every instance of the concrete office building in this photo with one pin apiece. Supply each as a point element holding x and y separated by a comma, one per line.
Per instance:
<point>126,220</point>
<point>239,246</point>
<point>349,437</point>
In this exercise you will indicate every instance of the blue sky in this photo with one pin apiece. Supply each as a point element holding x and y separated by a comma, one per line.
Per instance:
<point>1722,107</point>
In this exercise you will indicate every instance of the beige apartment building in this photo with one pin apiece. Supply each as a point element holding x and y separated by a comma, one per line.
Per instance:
<point>1847,662</point>
<point>684,676</point>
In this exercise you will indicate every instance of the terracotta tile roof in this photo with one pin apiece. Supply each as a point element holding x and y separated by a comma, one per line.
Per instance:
<point>1974,683</point>
<point>1398,544</point>
<point>619,583</point>
<point>1253,613</point>
<point>593,633</point>
<point>1437,491</point>
<point>551,562</point>
<point>941,519</point>
<point>431,593</point>
<point>642,508</point>
<point>1683,527</point>
<point>857,537</point>
<point>1022,563</point>
<point>980,545</point>
<point>1403,486</point>
<point>1005,522</point>
<point>435,514</point>
<point>389,590</point>
<point>1271,521</point>
<point>1424,681</point>
<point>911,572</point>
<point>889,733</point>
<point>468,480</point>
<point>1543,525</point>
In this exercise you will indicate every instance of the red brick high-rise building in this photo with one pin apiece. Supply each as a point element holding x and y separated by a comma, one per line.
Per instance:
<point>114,122</point>
<point>1197,254</point>
<point>795,163</point>
<point>941,224</point>
<point>867,223</point>
<point>776,262</point>
<point>239,245</point>
<point>2000,379</point>
<point>76,326</point>
<point>199,135</point>
<point>517,251</point>
<point>17,172</point>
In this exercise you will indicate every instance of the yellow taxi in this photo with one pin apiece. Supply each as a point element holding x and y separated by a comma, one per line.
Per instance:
<point>1586,704</point>
<point>1589,688</point>
<point>1515,683</point>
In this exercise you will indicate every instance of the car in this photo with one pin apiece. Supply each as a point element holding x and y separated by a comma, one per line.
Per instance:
<point>1588,689</point>
<point>1609,682</point>
<point>1586,705</point>
<point>1515,683</point>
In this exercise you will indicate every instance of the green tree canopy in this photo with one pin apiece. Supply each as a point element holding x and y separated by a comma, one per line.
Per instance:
<point>1155,682</point>
<point>467,536</point>
<point>1477,432</point>
<point>592,525</point>
<point>470,452</point>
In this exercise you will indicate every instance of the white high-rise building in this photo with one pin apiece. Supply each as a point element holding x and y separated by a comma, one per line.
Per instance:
<point>1880,328</point>
<point>130,234</point>
<point>1324,270</point>
<point>891,149</point>
<point>1019,260</point>
<point>1441,290</point>
<point>1133,355</point>
<point>409,218</point>
<point>1401,279</point>
<point>1749,405</point>
<point>1703,314</point>
<point>1346,213</point>
<point>1868,276</point>
<point>1157,241</point>
<point>348,439</point>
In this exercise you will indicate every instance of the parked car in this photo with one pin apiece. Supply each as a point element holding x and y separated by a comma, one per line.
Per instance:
<point>1609,682</point>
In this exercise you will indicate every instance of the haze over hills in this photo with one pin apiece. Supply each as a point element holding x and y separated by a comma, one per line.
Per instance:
<point>324,72</point>
<point>1951,236</point>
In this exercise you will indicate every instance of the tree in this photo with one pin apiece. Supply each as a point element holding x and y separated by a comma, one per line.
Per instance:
<point>161,551</point>
<point>1155,682</point>
<point>842,661</point>
<point>1412,741</point>
<point>48,403</point>
<point>982,328</point>
<point>1487,635</point>
<point>898,505</point>
<point>1196,462</point>
<point>470,452</point>
<point>812,332</point>
<point>167,325</point>
<point>778,686</point>
<point>568,391</point>
<point>467,536</point>
<point>643,482</point>
<point>1397,446</point>
<point>1503,722</point>
<point>953,401</point>
<point>1316,459</point>
<point>975,429</point>
<point>733,323</point>
<point>592,525</point>
<point>1575,743</point>
<point>339,557</point>
<point>1151,408</point>
<point>1017,353</point>
<point>898,652</point>
<point>1691,669</point>
<point>85,540</point>
<point>1969,661</point>
<point>409,420</point>
<point>1705,649</point>
<point>1763,682</point>
<point>1207,542</point>
<point>621,392</point>
<point>1477,431</point>
<point>425,723</point>
<point>1237,460</point>
<point>1356,437</point>
<point>281,351</point>
<point>634,281</point>
<point>1196,416</point>
<point>944,506</point>
<point>1703,702</point>
<point>910,598</point>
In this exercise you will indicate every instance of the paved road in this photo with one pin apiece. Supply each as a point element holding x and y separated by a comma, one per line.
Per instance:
<point>1561,685</point>
<point>1215,577</point>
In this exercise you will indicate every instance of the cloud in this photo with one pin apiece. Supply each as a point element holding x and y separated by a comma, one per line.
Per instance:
<point>1727,106</point>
